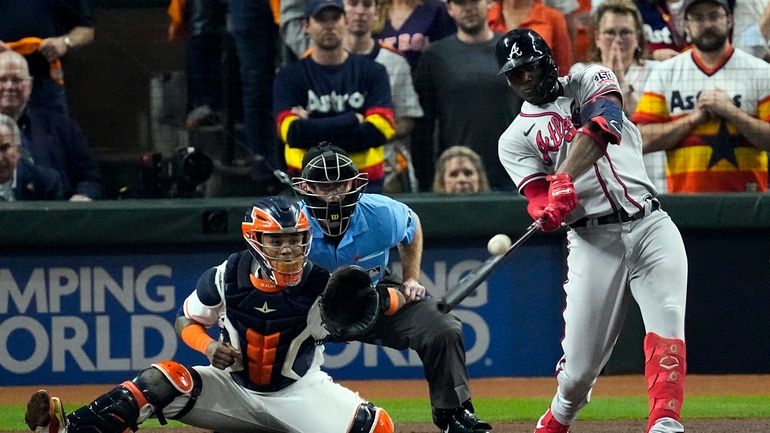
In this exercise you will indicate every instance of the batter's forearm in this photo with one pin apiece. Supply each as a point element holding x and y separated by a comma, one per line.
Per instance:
<point>583,153</point>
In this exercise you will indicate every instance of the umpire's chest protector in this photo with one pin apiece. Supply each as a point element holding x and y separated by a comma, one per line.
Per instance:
<point>268,322</point>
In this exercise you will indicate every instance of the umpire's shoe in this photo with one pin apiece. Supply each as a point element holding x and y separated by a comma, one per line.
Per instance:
<point>45,414</point>
<point>459,420</point>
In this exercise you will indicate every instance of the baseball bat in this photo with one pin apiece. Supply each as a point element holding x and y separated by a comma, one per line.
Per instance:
<point>472,279</point>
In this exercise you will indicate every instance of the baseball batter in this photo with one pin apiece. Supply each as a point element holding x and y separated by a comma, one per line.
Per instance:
<point>578,160</point>
<point>265,371</point>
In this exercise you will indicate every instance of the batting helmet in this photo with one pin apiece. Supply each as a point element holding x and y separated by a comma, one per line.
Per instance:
<point>522,46</point>
<point>277,215</point>
<point>330,186</point>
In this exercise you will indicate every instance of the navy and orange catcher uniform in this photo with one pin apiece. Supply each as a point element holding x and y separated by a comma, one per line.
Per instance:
<point>265,300</point>
<point>332,95</point>
<point>269,325</point>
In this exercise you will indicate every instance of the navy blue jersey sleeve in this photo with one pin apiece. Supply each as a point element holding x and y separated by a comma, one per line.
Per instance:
<point>207,288</point>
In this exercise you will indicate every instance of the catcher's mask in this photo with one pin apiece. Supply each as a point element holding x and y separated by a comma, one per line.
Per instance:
<point>278,236</point>
<point>518,49</point>
<point>330,186</point>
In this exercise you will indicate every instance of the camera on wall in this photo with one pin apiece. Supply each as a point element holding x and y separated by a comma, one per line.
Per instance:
<point>180,175</point>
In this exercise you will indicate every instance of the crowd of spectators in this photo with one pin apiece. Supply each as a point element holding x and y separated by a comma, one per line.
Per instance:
<point>399,82</point>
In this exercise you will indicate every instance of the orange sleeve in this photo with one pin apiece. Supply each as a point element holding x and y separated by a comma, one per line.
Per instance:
<point>194,335</point>
<point>396,301</point>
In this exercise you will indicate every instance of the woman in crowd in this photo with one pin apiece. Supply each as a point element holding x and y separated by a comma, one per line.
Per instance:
<point>460,170</point>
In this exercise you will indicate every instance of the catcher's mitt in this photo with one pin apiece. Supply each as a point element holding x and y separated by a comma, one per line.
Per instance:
<point>350,304</point>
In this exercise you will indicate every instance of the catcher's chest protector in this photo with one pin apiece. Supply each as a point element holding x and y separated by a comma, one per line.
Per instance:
<point>267,323</point>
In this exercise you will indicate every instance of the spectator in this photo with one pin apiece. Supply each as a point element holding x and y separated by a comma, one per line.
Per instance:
<point>49,137</point>
<point>292,28</point>
<point>255,32</point>
<point>460,170</point>
<point>205,20</point>
<point>663,27</point>
<point>411,26</point>
<point>748,34</point>
<point>578,16</point>
<point>709,107</point>
<point>551,24</point>
<point>333,95</point>
<point>399,170</point>
<point>45,32</point>
<point>619,46</point>
<point>459,88</point>
<point>20,179</point>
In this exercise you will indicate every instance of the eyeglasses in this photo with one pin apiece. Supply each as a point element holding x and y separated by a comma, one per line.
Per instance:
<point>710,17</point>
<point>14,80</point>
<point>612,34</point>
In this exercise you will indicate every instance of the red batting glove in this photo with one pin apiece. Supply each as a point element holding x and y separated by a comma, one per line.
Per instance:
<point>561,193</point>
<point>536,204</point>
<point>562,199</point>
<point>536,209</point>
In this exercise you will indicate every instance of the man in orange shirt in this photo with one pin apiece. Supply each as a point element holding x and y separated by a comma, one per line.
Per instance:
<point>548,22</point>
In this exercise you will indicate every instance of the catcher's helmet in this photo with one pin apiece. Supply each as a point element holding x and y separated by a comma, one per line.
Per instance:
<point>330,186</point>
<point>522,46</point>
<point>277,215</point>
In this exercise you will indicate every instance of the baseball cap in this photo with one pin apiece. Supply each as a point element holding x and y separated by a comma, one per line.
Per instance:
<point>689,3</point>
<point>314,6</point>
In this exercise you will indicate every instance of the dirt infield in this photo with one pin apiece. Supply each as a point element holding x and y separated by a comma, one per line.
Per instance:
<point>503,387</point>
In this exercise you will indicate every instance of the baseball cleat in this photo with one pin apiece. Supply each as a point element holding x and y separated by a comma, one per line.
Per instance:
<point>45,414</point>
<point>461,420</point>
<point>667,425</point>
<point>548,424</point>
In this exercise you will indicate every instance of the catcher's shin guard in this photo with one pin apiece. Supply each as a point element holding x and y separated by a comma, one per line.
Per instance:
<point>371,419</point>
<point>128,405</point>
<point>665,368</point>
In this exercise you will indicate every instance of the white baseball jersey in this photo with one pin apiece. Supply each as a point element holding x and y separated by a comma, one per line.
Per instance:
<point>714,157</point>
<point>609,264</point>
<point>537,142</point>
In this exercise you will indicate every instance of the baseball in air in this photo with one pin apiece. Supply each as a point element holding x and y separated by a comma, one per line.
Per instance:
<point>499,244</point>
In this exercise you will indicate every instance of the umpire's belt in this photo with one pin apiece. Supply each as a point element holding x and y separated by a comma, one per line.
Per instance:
<point>620,216</point>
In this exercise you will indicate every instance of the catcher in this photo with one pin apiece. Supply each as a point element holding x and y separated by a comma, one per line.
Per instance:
<point>350,227</point>
<point>265,373</point>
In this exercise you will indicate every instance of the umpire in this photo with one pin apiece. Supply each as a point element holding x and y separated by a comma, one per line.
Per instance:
<point>350,227</point>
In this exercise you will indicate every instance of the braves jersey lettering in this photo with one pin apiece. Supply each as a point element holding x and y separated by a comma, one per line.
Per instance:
<point>560,130</point>
<point>334,102</point>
